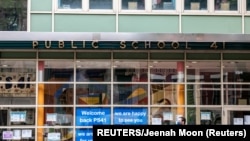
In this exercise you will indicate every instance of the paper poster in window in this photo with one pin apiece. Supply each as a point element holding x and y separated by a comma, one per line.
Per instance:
<point>54,136</point>
<point>238,121</point>
<point>26,133</point>
<point>247,120</point>
<point>167,116</point>
<point>16,134</point>
<point>156,121</point>
<point>205,115</point>
<point>7,135</point>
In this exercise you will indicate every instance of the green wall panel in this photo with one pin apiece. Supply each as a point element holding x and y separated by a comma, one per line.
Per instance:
<point>212,24</point>
<point>41,23</point>
<point>247,25</point>
<point>84,23</point>
<point>148,23</point>
<point>41,5</point>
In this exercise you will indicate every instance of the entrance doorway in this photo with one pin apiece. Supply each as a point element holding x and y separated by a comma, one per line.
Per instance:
<point>237,116</point>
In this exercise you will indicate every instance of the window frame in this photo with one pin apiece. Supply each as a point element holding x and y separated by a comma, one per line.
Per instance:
<point>179,9</point>
<point>85,8</point>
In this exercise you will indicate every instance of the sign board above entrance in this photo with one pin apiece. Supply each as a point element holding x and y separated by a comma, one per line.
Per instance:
<point>131,41</point>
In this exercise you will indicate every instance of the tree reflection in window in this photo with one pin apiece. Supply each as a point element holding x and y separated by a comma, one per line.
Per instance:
<point>13,15</point>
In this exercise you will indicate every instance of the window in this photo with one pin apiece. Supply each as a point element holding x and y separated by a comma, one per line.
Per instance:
<point>13,15</point>
<point>226,5</point>
<point>248,5</point>
<point>133,5</point>
<point>195,5</point>
<point>100,4</point>
<point>69,4</point>
<point>163,4</point>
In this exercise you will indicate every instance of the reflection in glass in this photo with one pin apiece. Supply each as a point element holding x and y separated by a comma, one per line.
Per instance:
<point>166,71</point>
<point>93,94</point>
<point>226,5</point>
<point>100,4</point>
<point>135,94</point>
<point>165,115</point>
<point>195,5</point>
<point>237,72</point>
<point>17,82</point>
<point>133,4</point>
<point>167,94</point>
<point>204,94</point>
<point>130,71</point>
<point>93,71</point>
<point>13,15</point>
<point>203,71</point>
<point>236,94</point>
<point>163,4</point>
<point>58,70</point>
<point>56,94</point>
<point>208,116</point>
<point>69,4</point>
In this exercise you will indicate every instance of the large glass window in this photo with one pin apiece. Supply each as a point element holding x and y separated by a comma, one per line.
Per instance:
<point>69,4</point>
<point>236,94</point>
<point>100,4</point>
<point>133,4</point>
<point>236,72</point>
<point>195,5</point>
<point>17,82</point>
<point>57,70</point>
<point>93,71</point>
<point>203,94</point>
<point>204,116</point>
<point>163,4</point>
<point>203,71</point>
<point>93,94</point>
<point>13,15</point>
<point>226,5</point>
<point>131,79</point>
<point>166,115</point>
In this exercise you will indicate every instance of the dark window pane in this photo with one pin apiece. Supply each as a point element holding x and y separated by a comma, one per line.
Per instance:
<point>13,15</point>
<point>100,4</point>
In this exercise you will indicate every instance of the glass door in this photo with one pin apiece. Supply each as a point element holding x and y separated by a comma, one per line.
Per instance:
<point>237,116</point>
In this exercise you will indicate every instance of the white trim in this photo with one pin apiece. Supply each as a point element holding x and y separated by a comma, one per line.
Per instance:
<point>41,12</point>
<point>116,4</point>
<point>28,15</point>
<point>243,11</point>
<point>53,16</point>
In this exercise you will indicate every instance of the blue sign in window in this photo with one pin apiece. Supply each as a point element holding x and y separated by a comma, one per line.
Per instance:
<point>88,116</point>
<point>130,116</point>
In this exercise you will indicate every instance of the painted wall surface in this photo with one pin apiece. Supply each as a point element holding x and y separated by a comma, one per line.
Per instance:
<point>84,23</point>
<point>247,25</point>
<point>148,23</point>
<point>41,22</point>
<point>43,18</point>
<point>41,5</point>
<point>211,24</point>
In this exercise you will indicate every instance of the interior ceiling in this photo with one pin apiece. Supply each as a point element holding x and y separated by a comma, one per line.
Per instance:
<point>204,65</point>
